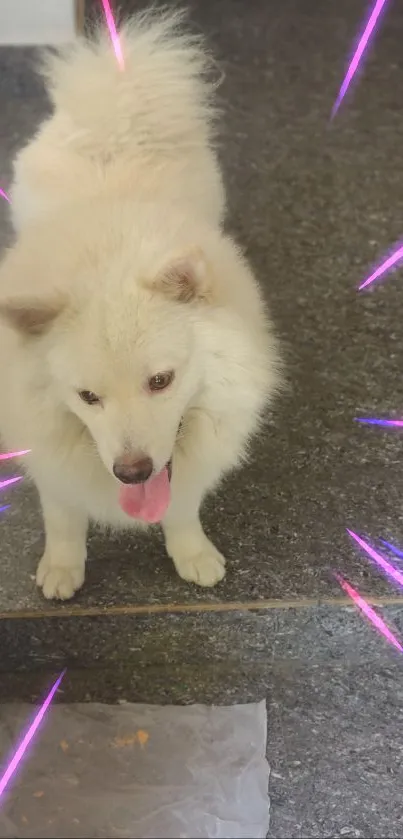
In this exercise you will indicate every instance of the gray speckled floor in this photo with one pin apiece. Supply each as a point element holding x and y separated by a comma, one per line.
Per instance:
<point>315,204</point>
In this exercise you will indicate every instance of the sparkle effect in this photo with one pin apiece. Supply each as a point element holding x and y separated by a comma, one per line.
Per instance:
<point>380,560</point>
<point>9,455</point>
<point>395,257</point>
<point>9,481</point>
<point>363,42</point>
<point>393,548</point>
<point>113,33</point>
<point>369,612</point>
<point>4,195</point>
<point>385,422</point>
<point>21,749</point>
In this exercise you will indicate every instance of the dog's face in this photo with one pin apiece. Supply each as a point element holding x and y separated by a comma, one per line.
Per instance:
<point>127,371</point>
<point>126,363</point>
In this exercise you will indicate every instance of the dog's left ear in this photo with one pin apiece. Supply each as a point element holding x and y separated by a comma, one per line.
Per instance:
<point>31,317</point>
<point>185,277</point>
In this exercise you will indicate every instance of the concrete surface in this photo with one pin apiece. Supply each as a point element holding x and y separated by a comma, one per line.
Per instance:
<point>315,204</point>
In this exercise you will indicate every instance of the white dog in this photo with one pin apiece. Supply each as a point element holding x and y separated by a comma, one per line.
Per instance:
<point>137,356</point>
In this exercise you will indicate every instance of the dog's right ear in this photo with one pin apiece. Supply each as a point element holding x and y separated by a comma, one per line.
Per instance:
<point>31,317</point>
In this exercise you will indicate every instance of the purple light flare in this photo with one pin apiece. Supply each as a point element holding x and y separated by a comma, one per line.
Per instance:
<point>369,612</point>
<point>363,42</point>
<point>9,455</point>
<point>4,195</point>
<point>393,548</point>
<point>9,481</point>
<point>385,266</point>
<point>384,422</point>
<point>4,508</point>
<point>21,749</point>
<point>380,560</point>
<point>113,33</point>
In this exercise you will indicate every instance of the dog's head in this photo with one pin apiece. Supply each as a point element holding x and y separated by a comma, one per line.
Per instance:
<point>121,353</point>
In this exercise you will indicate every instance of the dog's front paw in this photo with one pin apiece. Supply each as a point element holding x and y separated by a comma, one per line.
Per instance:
<point>205,568</point>
<point>59,582</point>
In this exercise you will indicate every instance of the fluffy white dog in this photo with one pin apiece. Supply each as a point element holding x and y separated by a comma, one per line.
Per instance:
<point>137,355</point>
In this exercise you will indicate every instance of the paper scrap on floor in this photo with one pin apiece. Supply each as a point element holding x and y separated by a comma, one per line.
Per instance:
<point>139,771</point>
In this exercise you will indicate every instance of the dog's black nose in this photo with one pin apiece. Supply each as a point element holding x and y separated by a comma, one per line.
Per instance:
<point>131,471</point>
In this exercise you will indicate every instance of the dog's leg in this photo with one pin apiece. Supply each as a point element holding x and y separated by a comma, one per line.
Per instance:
<point>62,568</point>
<point>193,554</point>
<point>194,473</point>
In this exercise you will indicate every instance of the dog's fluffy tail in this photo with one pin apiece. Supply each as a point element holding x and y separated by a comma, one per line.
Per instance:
<point>160,101</point>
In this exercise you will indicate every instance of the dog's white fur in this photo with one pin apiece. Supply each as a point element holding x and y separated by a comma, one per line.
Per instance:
<point>121,270</point>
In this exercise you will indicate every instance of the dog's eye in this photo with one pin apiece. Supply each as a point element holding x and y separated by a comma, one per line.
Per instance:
<point>89,397</point>
<point>161,381</point>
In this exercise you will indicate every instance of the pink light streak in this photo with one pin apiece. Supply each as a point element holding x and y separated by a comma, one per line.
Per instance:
<point>392,260</point>
<point>4,195</point>
<point>380,560</point>
<point>359,52</point>
<point>21,749</point>
<point>113,33</point>
<point>9,481</point>
<point>369,612</point>
<point>9,455</point>
<point>384,422</point>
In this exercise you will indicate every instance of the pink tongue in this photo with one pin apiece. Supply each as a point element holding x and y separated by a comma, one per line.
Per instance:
<point>147,501</point>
